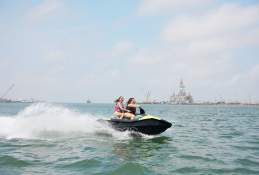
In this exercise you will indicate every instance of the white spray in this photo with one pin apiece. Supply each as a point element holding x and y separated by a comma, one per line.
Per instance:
<point>38,118</point>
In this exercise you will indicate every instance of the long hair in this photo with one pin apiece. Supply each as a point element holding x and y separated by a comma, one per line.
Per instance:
<point>118,99</point>
<point>130,100</point>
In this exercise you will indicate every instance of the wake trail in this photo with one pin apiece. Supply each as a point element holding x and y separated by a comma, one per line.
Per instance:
<point>40,118</point>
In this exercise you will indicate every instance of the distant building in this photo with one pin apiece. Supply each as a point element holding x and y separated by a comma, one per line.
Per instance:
<point>147,99</point>
<point>181,97</point>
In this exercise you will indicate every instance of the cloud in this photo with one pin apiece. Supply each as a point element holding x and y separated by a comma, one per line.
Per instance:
<point>249,78</point>
<point>213,48</point>
<point>123,48</point>
<point>229,26</point>
<point>44,10</point>
<point>244,85</point>
<point>55,56</point>
<point>204,50</point>
<point>154,7</point>
<point>147,57</point>
<point>208,44</point>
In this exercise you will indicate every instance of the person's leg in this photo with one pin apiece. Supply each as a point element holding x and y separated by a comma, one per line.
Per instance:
<point>132,116</point>
<point>129,115</point>
<point>118,114</point>
<point>122,115</point>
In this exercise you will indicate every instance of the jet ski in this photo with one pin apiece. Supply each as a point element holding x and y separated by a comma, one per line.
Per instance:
<point>143,123</point>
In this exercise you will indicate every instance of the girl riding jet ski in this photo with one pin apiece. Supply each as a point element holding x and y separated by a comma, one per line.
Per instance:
<point>143,123</point>
<point>120,111</point>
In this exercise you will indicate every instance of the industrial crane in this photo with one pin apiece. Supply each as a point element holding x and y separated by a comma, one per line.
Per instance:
<point>7,91</point>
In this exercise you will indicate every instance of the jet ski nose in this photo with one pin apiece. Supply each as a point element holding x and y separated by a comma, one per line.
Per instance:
<point>167,124</point>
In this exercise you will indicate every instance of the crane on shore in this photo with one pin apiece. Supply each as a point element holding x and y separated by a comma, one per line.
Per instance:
<point>7,91</point>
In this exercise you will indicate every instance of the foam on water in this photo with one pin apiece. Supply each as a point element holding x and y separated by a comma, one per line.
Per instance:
<point>37,119</point>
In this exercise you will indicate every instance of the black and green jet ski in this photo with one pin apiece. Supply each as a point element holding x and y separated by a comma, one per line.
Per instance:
<point>143,123</point>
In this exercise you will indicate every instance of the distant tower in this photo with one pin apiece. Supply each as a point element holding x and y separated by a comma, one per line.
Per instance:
<point>172,98</point>
<point>182,88</point>
<point>181,97</point>
<point>148,97</point>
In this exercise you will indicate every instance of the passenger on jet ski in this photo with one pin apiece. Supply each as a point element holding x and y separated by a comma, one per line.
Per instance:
<point>120,111</point>
<point>132,106</point>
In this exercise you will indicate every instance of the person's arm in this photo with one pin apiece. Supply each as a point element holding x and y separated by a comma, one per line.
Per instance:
<point>133,105</point>
<point>122,108</point>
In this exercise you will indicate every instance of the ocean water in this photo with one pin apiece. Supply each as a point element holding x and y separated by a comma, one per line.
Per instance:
<point>66,139</point>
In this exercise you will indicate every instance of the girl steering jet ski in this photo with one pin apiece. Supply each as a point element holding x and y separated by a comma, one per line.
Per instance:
<point>142,123</point>
<point>132,106</point>
<point>120,111</point>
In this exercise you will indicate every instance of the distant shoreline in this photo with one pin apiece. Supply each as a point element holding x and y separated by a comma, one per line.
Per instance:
<point>209,104</point>
<point>192,104</point>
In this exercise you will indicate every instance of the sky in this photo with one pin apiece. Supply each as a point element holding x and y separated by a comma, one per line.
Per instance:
<point>71,51</point>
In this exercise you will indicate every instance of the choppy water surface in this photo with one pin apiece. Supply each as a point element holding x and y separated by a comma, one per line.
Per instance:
<point>66,139</point>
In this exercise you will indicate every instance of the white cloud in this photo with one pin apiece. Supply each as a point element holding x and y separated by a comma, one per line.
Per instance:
<point>153,7</point>
<point>207,44</point>
<point>250,77</point>
<point>200,46</point>
<point>147,57</point>
<point>55,56</point>
<point>226,27</point>
<point>122,48</point>
<point>244,85</point>
<point>202,49</point>
<point>45,9</point>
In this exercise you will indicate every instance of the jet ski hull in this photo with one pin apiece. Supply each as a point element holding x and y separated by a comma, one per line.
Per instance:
<point>149,126</point>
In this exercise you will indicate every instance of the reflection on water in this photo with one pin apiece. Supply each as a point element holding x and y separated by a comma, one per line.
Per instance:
<point>140,148</point>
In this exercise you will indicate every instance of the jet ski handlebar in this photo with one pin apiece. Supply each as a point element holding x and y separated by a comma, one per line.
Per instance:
<point>142,111</point>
